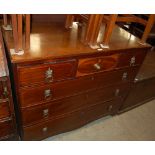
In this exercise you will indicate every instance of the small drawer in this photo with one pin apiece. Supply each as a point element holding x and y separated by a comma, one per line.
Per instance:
<point>98,64</point>
<point>45,93</point>
<point>47,73</point>
<point>6,128</point>
<point>132,58</point>
<point>4,109</point>
<point>71,121</point>
<point>70,104</point>
<point>109,63</point>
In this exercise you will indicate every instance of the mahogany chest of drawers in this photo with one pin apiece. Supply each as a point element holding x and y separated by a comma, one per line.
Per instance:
<point>7,116</point>
<point>73,85</point>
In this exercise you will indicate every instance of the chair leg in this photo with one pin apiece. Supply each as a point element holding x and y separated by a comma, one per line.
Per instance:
<point>92,30</point>
<point>27,32</point>
<point>96,28</point>
<point>20,33</point>
<point>109,29</point>
<point>69,21</point>
<point>148,28</point>
<point>15,32</point>
<point>5,19</point>
<point>89,28</point>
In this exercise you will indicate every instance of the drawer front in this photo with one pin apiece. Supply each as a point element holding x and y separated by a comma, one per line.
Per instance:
<point>70,121</point>
<point>132,58</point>
<point>98,64</point>
<point>36,95</point>
<point>6,128</point>
<point>53,109</point>
<point>46,73</point>
<point>4,109</point>
<point>107,63</point>
<point>70,104</point>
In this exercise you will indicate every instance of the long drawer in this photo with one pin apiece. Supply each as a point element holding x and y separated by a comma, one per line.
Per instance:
<point>6,128</point>
<point>56,108</point>
<point>35,95</point>
<point>106,63</point>
<point>4,109</point>
<point>46,73</point>
<point>70,121</point>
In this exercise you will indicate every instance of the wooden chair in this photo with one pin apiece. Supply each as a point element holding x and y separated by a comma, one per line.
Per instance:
<point>110,21</point>
<point>21,43</point>
<point>93,23</point>
<point>7,22</point>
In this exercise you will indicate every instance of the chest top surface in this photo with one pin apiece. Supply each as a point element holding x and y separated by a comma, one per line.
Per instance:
<point>52,40</point>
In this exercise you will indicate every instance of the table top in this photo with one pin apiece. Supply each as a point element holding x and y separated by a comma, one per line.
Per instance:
<point>52,40</point>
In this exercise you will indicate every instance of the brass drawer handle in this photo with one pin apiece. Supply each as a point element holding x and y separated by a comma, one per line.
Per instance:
<point>45,112</point>
<point>110,108</point>
<point>44,130</point>
<point>49,75</point>
<point>124,76</point>
<point>47,94</point>
<point>132,61</point>
<point>97,66</point>
<point>5,92</point>
<point>92,78</point>
<point>117,91</point>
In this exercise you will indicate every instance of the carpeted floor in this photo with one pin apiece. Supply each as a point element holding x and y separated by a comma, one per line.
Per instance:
<point>136,124</point>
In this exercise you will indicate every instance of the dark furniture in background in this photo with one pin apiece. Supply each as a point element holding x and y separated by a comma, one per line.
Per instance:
<point>8,129</point>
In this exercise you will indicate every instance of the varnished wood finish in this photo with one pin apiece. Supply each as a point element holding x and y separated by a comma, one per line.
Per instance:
<point>63,106</point>
<point>29,75</point>
<point>15,32</point>
<point>107,63</point>
<point>77,94</point>
<point>27,31</point>
<point>69,21</point>
<point>67,43</point>
<point>109,29</point>
<point>6,128</point>
<point>5,20</point>
<point>67,123</point>
<point>98,64</point>
<point>35,95</point>
<point>20,31</point>
<point>4,110</point>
